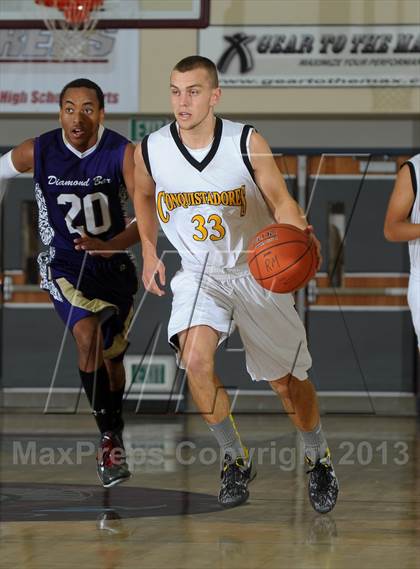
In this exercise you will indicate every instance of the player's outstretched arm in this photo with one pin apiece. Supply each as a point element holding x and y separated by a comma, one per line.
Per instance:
<point>397,226</point>
<point>272,185</point>
<point>15,162</point>
<point>145,208</point>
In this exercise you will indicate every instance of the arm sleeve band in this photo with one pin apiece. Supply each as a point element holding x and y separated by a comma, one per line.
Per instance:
<point>7,171</point>
<point>7,168</point>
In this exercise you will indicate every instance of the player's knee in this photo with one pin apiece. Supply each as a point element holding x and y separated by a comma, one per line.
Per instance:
<point>86,333</point>
<point>282,385</point>
<point>198,365</point>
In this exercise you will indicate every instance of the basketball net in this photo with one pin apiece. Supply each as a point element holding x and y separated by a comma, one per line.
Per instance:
<point>72,32</point>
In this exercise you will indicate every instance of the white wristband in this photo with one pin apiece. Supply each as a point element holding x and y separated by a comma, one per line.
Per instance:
<point>7,171</point>
<point>7,168</point>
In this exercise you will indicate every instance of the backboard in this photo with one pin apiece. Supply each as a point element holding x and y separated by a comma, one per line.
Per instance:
<point>26,14</point>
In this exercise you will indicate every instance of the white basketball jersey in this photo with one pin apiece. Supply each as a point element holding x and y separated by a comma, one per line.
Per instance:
<point>209,209</point>
<point>414,245</point>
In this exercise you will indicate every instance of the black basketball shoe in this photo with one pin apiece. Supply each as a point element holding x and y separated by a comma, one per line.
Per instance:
<point>323,484</point>
<point>235,479</point>
<point>111,462</point>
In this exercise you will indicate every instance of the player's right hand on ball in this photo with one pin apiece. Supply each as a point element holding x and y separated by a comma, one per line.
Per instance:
<point>154,275</point>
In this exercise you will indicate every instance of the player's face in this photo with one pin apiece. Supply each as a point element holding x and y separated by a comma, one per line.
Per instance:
<point>80,117</point>
<point>193,97</point>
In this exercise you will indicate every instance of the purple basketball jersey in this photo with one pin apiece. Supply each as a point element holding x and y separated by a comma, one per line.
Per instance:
<point>79,195</point>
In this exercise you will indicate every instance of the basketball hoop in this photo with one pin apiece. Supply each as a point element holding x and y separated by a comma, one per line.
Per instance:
<point>72,31</point>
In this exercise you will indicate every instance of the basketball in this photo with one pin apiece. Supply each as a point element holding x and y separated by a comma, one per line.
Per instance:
<point>282,258</point>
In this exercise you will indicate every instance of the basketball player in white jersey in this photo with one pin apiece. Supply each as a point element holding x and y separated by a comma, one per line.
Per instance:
<point>212,184</point>
<point>402,223</point>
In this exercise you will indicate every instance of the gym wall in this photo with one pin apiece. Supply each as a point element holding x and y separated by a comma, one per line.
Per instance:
<point>308,120</point>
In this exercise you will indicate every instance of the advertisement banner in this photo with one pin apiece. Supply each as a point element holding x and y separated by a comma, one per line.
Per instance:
<point>31,77</point>
<point>314,56</point>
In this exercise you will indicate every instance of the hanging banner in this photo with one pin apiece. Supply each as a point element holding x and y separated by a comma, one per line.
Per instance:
<point>31,78</point>
<point>314,56</point>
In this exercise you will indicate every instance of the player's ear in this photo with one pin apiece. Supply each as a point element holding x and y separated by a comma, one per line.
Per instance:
<point>102,115</point>
<point>217,92</point>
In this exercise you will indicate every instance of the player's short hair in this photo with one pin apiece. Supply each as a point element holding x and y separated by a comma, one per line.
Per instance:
<point>88,84</point>
<point>198,62</point>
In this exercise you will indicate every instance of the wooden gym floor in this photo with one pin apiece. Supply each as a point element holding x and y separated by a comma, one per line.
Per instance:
<point>55,515</point>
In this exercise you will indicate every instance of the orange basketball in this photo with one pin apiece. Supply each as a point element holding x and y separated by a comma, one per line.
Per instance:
<point>282,258</point>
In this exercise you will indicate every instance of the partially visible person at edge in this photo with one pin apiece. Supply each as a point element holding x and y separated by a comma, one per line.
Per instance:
<point>402,223</point>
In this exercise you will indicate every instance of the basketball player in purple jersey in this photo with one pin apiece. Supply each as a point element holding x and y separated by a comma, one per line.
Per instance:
<point>82,174</point>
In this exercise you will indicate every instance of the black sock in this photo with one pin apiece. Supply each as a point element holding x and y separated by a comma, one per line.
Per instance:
<point>117,400</point>
<point>96,386</point>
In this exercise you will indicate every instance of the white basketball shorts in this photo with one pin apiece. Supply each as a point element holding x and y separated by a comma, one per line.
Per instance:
<point>272,333</point>
<point>413,298</point>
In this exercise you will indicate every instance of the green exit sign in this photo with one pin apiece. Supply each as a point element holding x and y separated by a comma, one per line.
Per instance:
<point>153,374</point>
<point>150,373</point>
<point>139,128</point>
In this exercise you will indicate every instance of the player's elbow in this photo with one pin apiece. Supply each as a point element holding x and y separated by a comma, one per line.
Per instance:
<point>389,232</point>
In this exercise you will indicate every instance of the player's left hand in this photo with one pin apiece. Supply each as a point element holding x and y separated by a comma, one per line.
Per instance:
<point>93,246</point>
<point>310,231</point>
